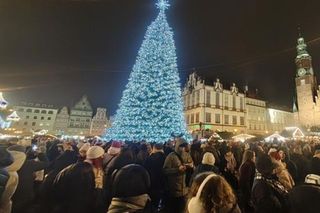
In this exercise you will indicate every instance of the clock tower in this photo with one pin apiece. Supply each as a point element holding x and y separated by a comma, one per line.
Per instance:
<point>306,86</point>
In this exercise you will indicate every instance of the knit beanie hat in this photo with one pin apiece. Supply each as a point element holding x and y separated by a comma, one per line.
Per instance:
<point>264,164</point>
<point>115,148</point>
<point>131,180</point>
<point>208,158</point>
<point>95,152</point>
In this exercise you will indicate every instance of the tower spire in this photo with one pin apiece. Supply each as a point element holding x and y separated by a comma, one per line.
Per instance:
<point>163,5</point>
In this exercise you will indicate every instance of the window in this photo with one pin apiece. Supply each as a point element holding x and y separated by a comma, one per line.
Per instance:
<point>226,101</point>
<point>49,118</point>
<point>35,117</point>
<point>218,99</point>
<point>197,117</point>
<point>192,118</point>
<point>187,101</point>
<point>33,123</point>
<point>226,119</point>
<point>50,112</point>
<point>208,117</point>
<point>36,111</point>
<point>303,82</point>
<point>21,110</point>
<point>25,123</point>
<point>241,104</point>
<point>27,117</point>
<point>198,97</point>
<point>208,98</point>
<point>234,102</point>
<point>43,111</point>
<point>193,98</point>
<point>234,120</point>
<point>217,118</point>
<point>241,120</point>
<point>42,118</point>
<point>29,110</point>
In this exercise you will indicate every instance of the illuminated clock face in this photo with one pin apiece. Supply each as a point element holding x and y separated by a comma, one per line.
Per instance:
<point>302,72</point>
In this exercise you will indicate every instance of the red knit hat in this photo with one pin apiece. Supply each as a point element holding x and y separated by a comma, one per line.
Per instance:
<point>115,148</point>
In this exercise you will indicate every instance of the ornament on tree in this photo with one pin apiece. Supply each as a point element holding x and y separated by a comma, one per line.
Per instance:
<point>151,107</point>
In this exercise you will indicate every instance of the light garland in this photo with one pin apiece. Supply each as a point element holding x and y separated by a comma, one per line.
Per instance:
<point>151,108</point>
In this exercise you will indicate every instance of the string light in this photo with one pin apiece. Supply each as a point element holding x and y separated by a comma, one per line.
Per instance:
<point>151,108</point>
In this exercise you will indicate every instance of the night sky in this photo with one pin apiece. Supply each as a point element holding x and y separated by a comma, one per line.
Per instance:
<point>55,51</point>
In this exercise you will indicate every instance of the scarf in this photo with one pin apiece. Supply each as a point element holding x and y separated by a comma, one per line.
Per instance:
<point>128,204</point>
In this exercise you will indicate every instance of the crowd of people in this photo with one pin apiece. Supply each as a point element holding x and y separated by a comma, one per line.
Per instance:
<point>53,176</point>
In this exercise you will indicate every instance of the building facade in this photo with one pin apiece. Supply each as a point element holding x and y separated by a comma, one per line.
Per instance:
<point>211,107</point>
<point>62,122</point>
<point>214,108</point>
<point>279,119</point>
<point>80,117</point>
<point>307,110</point>
<point>256,116</point>
<point>35,117</point>
<point>99,123</point>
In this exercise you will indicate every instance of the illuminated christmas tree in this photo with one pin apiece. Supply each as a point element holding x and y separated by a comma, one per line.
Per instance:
<point>151,108</point>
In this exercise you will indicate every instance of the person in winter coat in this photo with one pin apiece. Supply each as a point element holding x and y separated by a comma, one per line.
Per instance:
<point>214,194</point>
<point>207,165</point>
<point>5,160</point>
<point>12,183</point>
<point>280,170</point>
<point>268,194</point>
<point>209,147</point>
<point>125,157</point>
<point>196,152</point>
<point>24,195</point>
<point>154,164</point>
<point>175,171</point>
<point>112,153</point>
<point>305,197</point>
<point>247,172</point>
<point>76,188</point>
<point>142,154</point>
<point>228,168</point>
<point>68,157</point>
<point>131,185</point>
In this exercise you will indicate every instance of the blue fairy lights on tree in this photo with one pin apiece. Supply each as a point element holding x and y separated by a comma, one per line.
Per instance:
<point>151,108</point>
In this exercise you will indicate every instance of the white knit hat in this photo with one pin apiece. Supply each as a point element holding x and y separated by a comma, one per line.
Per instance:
<point>208,158</point>
<point>95,152</point>
<point>272,150</point>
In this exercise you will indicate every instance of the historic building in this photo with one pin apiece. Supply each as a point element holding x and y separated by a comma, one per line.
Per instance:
<point>35,117</point>
<point>215,108</point>
<point>212,107</point>
<point>256,116</point>
<point>307,110</point>
<point>279,118</point>
<point>62,122</point>
<point>99,122</point>
<point>80,117</point>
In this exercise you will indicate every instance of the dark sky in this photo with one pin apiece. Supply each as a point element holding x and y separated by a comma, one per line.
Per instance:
<point>54,51</point>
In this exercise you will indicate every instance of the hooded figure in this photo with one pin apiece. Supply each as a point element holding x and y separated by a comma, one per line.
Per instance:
<point>175,170</point>
<point>11,186</point>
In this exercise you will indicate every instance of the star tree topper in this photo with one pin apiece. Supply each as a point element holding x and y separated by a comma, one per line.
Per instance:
<point>163,4</point>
